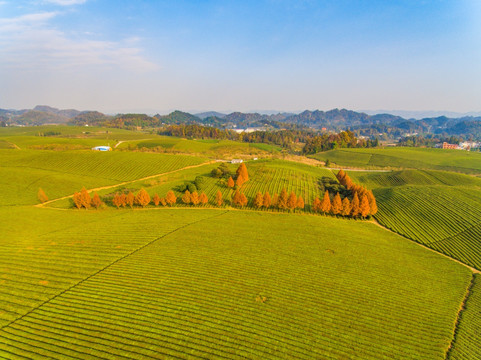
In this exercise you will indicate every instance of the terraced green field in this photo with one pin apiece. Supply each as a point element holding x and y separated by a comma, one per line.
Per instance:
<point>374,180</point>
<point>468,336</point>
<point>61,173</point>
<point>409,158</point>
<point>157,283</point>
<point>445,218</point>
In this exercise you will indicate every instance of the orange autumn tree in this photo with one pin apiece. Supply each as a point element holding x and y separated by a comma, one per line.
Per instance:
<point>239,181</point>
<point>42,197</point>
<point>355,205</point>
<point>156,199</point>
<point>86,200</point>
<point>218,198</point>
<point>186,197</point>
<point>170,198</point>
<point>203,199</point>
<point>336,205</point>
<point>230,182</point>
<point>364,207</point>
<point>117,200</point>
<point>142,198</point>
<point>326,203</point>
<point>275,200</point>
<point>96,201</point>
<point>129,199</point>
<point>266,201</point>
<point>236,199</point>
<point>163,202</point>
<point>316,205</point>
<point>243,200</point>
<point>346,207</point>
<point>259,200</point>
<point>300,203</point>
<point>283,198</point>
<point>292,201</point>
<point>194,198</point>
<point>77,199</point>
<point>242,171</point>
<point>372,202</point>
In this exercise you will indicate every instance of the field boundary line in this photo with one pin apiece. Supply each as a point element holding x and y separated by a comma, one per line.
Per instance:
<point>473,270</point>
<point>126,182</point>
<point>109,265</point>
<point>461,309</point>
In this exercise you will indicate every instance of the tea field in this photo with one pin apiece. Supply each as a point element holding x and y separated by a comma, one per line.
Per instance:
<point>408,158</point>
<point>180,283</point>
<point>192,283</point>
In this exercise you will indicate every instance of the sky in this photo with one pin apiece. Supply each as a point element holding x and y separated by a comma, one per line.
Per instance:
<point>201,55</point>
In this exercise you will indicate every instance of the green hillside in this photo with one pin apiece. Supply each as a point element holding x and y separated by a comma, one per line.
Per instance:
<point>409,158</point>
<point>444,218</point>
<point>61,173</point>
<point>210,283</point>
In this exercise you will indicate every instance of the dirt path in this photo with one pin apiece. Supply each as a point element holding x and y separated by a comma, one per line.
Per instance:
<point>122,141</point>
<point>474,270</point>
<point>358,169</point>
<point>127,182</point>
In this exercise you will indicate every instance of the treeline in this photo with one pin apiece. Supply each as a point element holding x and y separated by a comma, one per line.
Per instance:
<point>286,138</point>
<point>344,139</point>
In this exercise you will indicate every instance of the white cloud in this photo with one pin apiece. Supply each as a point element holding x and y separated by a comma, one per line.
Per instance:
<point>28,42</point>
<point>66,2</point>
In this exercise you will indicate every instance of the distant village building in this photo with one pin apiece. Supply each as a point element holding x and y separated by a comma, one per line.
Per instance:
<point>102,148</point>
<point>450,146</point>
<point>248,130</point>
<point>236,161</point>
<point>468,145</point>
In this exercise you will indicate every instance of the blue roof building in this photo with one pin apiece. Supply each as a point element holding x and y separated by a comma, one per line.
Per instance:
<point>102,148</point>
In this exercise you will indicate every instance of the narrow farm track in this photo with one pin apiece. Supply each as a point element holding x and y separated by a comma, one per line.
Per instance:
<point>127,182</point>
<point>474,270</point>
<point>108,266</point>
<point>462,307</point>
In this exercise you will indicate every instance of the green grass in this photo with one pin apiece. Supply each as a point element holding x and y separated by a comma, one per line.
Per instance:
<point>468,336</point>
<point>410,158</point>
<point>445,218</point>
<point>334,289</point>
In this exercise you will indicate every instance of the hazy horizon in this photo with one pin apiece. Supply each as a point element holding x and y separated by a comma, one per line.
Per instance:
<point>156,56</point>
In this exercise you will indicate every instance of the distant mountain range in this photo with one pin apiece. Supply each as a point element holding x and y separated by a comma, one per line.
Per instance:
<point>333,120</point>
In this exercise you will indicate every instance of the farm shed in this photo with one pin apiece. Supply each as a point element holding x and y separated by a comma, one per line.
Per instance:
<point>102,148</point>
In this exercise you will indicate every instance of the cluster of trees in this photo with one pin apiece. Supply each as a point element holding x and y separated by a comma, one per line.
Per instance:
<point>142,198</point>
<point>194,198</point>
<point>345,139</point>
<point>83,199</point>
<point>283,201</point>
<point>363,202</point>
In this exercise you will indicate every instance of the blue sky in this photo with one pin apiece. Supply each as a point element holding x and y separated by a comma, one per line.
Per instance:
<point>156,56</point>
